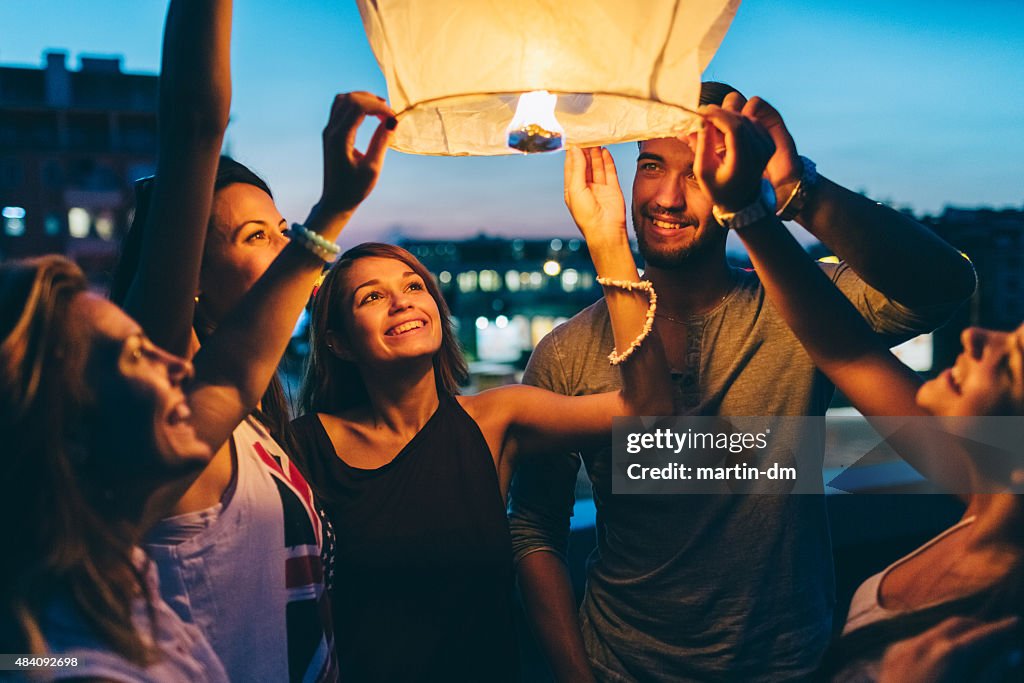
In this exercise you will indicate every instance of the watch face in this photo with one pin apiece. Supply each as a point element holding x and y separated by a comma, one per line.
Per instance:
<point>764,206</point>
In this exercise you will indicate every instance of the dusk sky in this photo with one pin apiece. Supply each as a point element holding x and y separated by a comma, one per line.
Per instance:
<point>917,103</point>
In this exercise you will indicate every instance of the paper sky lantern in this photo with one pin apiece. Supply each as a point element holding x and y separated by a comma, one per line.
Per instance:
<point>616,70</point>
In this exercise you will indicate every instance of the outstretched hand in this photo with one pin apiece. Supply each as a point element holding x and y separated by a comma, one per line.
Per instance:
<point>785,167</point>
<point>350,175</point>
<point>593,195</point>
<point>731,153</point>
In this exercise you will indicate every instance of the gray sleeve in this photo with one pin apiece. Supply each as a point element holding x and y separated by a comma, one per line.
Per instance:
<point>885,316</point>
<point>542,493</point>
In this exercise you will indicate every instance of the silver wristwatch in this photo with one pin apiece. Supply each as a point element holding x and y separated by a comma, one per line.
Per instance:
<point>763,206</point>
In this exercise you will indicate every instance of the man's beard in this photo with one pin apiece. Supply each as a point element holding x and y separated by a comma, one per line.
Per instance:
<point>705,243</point>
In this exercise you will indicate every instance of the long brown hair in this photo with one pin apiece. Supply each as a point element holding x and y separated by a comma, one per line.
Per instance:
<point>59,539</point>
<point>331,384</point>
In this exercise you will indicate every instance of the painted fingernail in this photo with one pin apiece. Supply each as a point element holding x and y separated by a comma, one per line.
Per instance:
<point>391,123</point>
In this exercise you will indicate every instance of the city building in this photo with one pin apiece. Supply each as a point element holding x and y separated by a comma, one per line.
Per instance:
<point>994,241</point>
<point>506,294</point>
<point>71,144</point>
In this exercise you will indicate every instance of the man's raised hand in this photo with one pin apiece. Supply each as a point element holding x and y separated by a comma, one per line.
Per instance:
<point>731,153</point>
<point>593,195</point>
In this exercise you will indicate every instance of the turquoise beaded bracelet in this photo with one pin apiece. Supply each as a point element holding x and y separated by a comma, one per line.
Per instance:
<point>314,242</point>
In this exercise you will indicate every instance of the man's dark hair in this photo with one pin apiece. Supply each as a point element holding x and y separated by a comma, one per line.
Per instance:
<point>711,92</point>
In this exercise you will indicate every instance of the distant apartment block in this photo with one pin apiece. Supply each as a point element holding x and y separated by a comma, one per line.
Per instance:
<point>994,241</point>
<point>71,144</point>
<point>505,293</point>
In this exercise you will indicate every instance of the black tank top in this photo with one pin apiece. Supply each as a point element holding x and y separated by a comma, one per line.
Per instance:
<point>422,589</point>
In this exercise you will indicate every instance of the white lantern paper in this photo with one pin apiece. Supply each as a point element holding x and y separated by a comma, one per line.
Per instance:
<point>622,69</point>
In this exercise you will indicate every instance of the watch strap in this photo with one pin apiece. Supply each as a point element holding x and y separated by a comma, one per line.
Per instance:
<point>798,197</point>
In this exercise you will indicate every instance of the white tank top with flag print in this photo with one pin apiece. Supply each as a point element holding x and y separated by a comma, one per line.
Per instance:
<point>248,572</point>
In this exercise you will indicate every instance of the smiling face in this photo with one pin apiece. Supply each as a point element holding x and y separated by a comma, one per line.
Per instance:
<point>671,216</point>
<point>139,406</point>
<point>390,314</point>
<point>985,380</point>
<point>246,235</point>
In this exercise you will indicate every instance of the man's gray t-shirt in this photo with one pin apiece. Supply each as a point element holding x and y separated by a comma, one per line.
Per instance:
<point>699,587</point>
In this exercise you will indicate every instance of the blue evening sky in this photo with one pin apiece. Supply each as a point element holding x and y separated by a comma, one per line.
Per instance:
<point>918,103</point>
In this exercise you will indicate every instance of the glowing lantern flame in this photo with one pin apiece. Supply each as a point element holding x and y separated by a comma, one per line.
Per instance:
<point>534,127</point>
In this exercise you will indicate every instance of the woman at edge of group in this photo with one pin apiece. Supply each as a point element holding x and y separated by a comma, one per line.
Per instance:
<point>415,476</point>
<point>965,588</point>
<point>102,429</point>
<point>239,550</point>
<point>74,585</point>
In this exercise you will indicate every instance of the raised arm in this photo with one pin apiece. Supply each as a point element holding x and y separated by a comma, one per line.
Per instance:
<point>551,423</point>
<point>826,323</point>
<point>195,100</point>
<point>542,420</point>
<point>235,365</point>
<point>889,250</point>
<point>835,336</point>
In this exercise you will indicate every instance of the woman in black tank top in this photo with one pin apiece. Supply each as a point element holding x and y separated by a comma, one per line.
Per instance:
<point>414,477</point>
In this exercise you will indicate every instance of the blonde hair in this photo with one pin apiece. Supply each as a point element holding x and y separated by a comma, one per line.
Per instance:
<point>59,542</point>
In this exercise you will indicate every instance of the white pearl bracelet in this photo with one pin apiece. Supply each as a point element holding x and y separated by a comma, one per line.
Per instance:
<point>615,358</point>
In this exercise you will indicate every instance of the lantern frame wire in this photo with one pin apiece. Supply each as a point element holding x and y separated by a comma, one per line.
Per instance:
<point>518,93</point>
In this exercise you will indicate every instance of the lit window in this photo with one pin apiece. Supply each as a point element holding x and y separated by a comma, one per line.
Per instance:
<point>539,327</point>
<point>79,222</point>
<point>52,225</point>
<point>445,277</point>
<point>570,278</point>
<point>490,281</point>
<point>552,268</point>
<point>105,225</point>
<point>467,281</point>
<point>14,220</point>
<point>536,280</point>
<point>520,324</point>
<point>512,280</point>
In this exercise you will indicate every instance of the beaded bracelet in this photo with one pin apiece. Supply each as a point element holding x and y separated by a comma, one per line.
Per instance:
<point>314,242</point>
<point>615,358</point>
